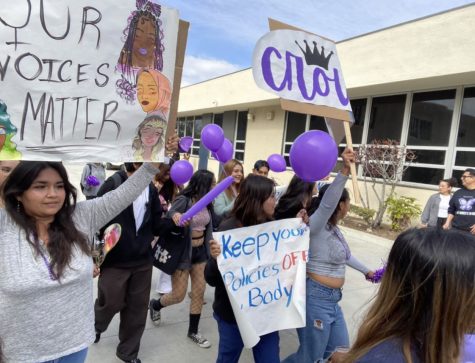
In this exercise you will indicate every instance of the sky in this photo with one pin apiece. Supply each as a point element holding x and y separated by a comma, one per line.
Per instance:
<point>223,33</point>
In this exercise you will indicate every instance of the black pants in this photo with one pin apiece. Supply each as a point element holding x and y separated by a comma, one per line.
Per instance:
<point>124,290</point>
<point>441,222</point>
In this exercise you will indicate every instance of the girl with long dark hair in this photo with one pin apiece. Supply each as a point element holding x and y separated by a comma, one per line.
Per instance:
<point>46,269</point>
<point>193,260</point>
<point>254,205</point>
<point>425,304</point>
<point>296,200</point>
<point>329,254</point>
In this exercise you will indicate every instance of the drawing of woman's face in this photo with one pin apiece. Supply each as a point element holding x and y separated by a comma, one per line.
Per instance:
<point>151,135</point>
<point>144,43</point>
<point>147,92</point>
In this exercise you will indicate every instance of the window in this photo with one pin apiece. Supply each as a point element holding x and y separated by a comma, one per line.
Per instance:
<point>191,126</point>
<point>359,112</point>
<point>387,114</point>
<point>240,136</point>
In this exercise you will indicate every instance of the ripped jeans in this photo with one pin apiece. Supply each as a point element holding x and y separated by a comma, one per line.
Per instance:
<point>325,329</point>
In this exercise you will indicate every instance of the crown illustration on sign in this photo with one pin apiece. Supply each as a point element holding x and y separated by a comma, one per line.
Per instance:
<point>314,57</point>
<point>148,6</point>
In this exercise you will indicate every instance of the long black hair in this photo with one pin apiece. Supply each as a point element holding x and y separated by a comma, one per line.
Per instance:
<point>200,184</point>
<point>345,196</point>
<point>62,232</point>
<point>248,206</point>
<point>297,197</point>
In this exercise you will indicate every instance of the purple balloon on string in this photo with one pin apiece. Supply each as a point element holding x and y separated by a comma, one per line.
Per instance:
<point>313,155</point>
<point>469,349</point>
<point>181,171</point>
<point>225,153</point>
<point>277,163</point>
<point>185,144</point>
<point>207,199</point>
<point>212,137</point>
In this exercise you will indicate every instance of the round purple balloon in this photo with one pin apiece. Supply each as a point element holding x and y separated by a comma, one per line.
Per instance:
<point>277,163</point>
<point>181,171</point>
<point>469,349</point>
<point>225,152</point>
<point>212,137</point>
<point>185,143</point>
<point>313,155</point>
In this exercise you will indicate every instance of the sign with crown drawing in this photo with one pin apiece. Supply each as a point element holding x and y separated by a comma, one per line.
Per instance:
<point>302,67</point>
<point>87,80</point>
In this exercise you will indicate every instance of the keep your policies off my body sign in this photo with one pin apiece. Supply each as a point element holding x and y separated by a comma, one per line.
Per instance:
<point>263,269</point>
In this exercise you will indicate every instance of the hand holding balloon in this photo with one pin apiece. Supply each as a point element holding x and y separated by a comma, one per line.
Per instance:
<point>207,199</point>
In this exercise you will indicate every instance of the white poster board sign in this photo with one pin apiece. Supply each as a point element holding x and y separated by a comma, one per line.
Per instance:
<point>300,66</point>
<point>263,268</point>
<point>86,80</point>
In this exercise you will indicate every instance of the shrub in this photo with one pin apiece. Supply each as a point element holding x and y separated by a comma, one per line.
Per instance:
<point>401,210</point>
<point>367,214</point>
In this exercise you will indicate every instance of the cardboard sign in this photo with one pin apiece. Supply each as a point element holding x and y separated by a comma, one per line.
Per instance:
<point>87,80</point>
<point>263,269</point>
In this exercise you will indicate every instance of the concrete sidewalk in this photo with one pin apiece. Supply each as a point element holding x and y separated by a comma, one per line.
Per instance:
<point>169,343</point>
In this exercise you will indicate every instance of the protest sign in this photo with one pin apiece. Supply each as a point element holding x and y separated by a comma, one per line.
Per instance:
<point>263,268</point>
<point>87,80</point>
<point>304,70</point>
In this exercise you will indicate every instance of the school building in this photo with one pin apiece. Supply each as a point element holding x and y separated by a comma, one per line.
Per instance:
<point>413,82</point>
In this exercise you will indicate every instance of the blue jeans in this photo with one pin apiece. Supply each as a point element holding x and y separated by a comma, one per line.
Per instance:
<point>325,328</point>
<point>231,344</point>
<point>78,357</point>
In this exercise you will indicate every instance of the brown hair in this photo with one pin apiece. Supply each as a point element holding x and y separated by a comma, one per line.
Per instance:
<point>227,171</point>
<point>248,206</point>
<point>426,299</point>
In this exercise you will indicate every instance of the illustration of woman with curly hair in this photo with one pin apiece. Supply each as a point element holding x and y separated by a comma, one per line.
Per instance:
<point>149,143</point>
<point>143,46</point>
<point>7,131</point>
<point>154,92</point>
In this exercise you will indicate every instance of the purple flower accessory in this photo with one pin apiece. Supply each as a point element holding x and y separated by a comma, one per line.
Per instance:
<point>378,275</point>
<point>92,181</point>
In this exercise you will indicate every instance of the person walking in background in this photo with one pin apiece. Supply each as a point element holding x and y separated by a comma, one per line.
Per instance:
<point>93,176</point>
<point>329,254</point>
<point>6,167</point>
<point>224,203</point>
<point>261,167</point>
<point>425,304</point>
<point>461,213</point>
<point>126,273</point>
<point>436,209</point>
<point>193,260</point>
<point>254,205</point>
<point>46,268</point>
<point>296,200</point>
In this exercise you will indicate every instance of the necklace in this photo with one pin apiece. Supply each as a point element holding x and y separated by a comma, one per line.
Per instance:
<point>52,275</point>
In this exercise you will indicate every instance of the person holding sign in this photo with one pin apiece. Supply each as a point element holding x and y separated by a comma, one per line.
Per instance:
<point>254,205</point>
<point>46,290</point>
<point>426,302</point>
<point>193,259</point>
<point>329,253</point>
<point>224,203</point>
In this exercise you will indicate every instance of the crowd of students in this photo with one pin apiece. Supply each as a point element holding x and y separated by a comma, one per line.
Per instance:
<point>47,270</point>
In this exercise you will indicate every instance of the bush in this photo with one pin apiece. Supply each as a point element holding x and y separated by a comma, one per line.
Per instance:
<point>366,213</point>
<point>401,210</point>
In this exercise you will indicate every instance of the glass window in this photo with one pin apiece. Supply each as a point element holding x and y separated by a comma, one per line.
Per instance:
<point>466,133</point>
<point>465,158</point>
<point>359,111</point>
<point>387,114</point>
<point>429,156</point>
<point>423,175</point>
<point>317,123</point>
<point>431,118</point>
<point>241,126</point>
<point>218,119</point>
<point>296,123</point>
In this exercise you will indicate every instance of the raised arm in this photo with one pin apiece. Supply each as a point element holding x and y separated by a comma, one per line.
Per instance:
<point>332,195</point>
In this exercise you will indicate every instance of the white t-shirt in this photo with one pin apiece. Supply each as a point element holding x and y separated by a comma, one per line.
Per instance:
<point>139,208</point>
<point>443,206</point>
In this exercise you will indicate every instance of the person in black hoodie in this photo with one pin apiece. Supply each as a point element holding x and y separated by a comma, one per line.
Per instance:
<point>254,205</point>
<point>126,273</point>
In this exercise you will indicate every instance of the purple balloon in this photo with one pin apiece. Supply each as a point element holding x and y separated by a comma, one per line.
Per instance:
<point>277,163</point>
<point>225,152</point>
<point>181,171</point>
<point>313,155</point>
<point>212,137</point>
<point>207,199</point>
<point>469,349</point>
<point>185,143</point>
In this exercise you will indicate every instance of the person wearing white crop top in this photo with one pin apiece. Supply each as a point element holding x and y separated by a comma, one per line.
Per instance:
<point>329,253</point>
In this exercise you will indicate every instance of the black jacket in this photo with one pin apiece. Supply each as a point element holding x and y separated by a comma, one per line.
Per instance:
<point>134,247</point>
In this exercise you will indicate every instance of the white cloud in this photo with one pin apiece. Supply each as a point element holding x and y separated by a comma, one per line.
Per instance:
<point>197,69</point>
